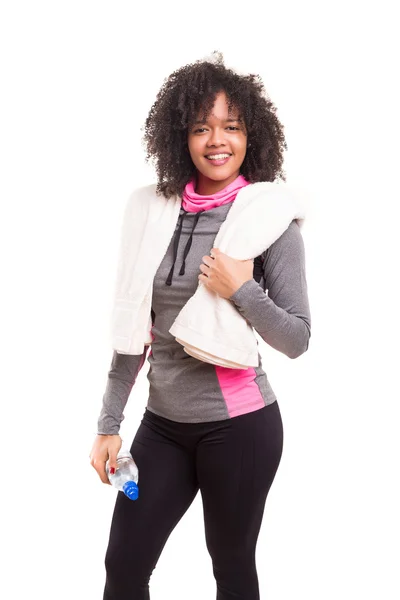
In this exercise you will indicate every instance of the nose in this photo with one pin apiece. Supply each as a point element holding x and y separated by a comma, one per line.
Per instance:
<point>216,137</point>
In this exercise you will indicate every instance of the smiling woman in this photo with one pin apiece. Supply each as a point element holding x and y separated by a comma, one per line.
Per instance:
<point>212,421</point>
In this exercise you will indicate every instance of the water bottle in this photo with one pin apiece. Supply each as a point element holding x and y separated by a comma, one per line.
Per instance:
<point>126,475</point>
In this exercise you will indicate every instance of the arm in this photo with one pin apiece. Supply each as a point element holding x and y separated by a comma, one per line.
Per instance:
<point>121,378</point>
<point>282,316</point>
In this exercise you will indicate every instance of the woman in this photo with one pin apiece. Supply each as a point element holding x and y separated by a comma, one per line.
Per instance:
<point>210,132</point>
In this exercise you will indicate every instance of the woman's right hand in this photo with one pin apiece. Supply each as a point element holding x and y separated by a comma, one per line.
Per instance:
<point>105,447</point>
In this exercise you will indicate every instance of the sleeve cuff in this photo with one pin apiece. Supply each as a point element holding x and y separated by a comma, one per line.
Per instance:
<point>246,290</point>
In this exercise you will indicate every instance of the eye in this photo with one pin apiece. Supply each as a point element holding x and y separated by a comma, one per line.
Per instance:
<point>233,127</point>
<point>199,130</point>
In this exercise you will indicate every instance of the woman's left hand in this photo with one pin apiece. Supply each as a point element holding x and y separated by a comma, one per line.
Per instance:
<point>223,274</point>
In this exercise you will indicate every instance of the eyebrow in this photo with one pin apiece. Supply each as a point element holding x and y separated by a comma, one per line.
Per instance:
<point>226,121</point>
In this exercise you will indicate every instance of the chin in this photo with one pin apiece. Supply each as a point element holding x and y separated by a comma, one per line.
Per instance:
<point>217,176</point>
<point>218,173</point>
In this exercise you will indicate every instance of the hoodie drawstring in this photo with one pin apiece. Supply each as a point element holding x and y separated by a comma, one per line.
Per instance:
<point>189,243</point>
<point>187,247</point>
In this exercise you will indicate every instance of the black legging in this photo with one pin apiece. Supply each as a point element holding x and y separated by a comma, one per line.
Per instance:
<point>233,463</point>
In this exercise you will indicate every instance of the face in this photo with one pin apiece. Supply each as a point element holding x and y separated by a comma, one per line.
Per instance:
<point>217,147</point>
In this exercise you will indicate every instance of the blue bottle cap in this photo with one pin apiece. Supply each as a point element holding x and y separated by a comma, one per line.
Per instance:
<point>131,490</point>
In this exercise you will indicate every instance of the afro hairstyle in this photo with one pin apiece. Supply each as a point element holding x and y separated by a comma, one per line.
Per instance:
<point>190,91</point>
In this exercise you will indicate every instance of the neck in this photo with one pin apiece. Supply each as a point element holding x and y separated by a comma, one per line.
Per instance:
<point>207,187</point>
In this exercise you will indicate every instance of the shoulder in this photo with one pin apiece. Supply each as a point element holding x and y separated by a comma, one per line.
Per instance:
<point>140,199</point>
<point>288,244</point>
<point>142,193</point>
<point>290,237</point>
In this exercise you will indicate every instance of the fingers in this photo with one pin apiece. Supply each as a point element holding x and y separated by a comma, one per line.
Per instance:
<point>105,448</point>
<point>101,471</point>
<point>112,457</point>
<point>207,262</point>
<point>103,475</point>
<point>204,269</point>
<point>100,468</point>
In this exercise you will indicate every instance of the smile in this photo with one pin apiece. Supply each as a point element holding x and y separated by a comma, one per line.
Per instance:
<point>218,159</point>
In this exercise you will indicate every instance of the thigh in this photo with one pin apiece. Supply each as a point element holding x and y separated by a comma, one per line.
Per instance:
<point>167,487</point>
<point>235,468</point>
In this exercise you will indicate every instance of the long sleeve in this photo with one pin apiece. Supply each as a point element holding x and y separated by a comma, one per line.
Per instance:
<point>282,315</point>
<point>121,378</point>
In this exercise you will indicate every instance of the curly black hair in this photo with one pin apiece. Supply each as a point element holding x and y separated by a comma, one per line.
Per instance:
<point>193,88</point>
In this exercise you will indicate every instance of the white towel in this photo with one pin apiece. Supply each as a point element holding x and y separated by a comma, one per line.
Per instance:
<point>209,327</point>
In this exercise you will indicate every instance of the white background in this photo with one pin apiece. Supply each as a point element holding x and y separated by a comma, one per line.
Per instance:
<point>78,79</point>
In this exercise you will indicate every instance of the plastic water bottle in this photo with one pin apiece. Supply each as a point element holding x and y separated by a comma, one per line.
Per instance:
<point>126,475</point>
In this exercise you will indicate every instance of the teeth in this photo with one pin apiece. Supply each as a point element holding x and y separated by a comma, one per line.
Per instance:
<point>217,156</point>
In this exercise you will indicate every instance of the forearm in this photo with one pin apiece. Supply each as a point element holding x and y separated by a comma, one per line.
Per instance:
<point>121,378</point>
<point>114,401</point>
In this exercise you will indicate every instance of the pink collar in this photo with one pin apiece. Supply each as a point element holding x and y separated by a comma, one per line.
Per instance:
<point>193,202</point>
